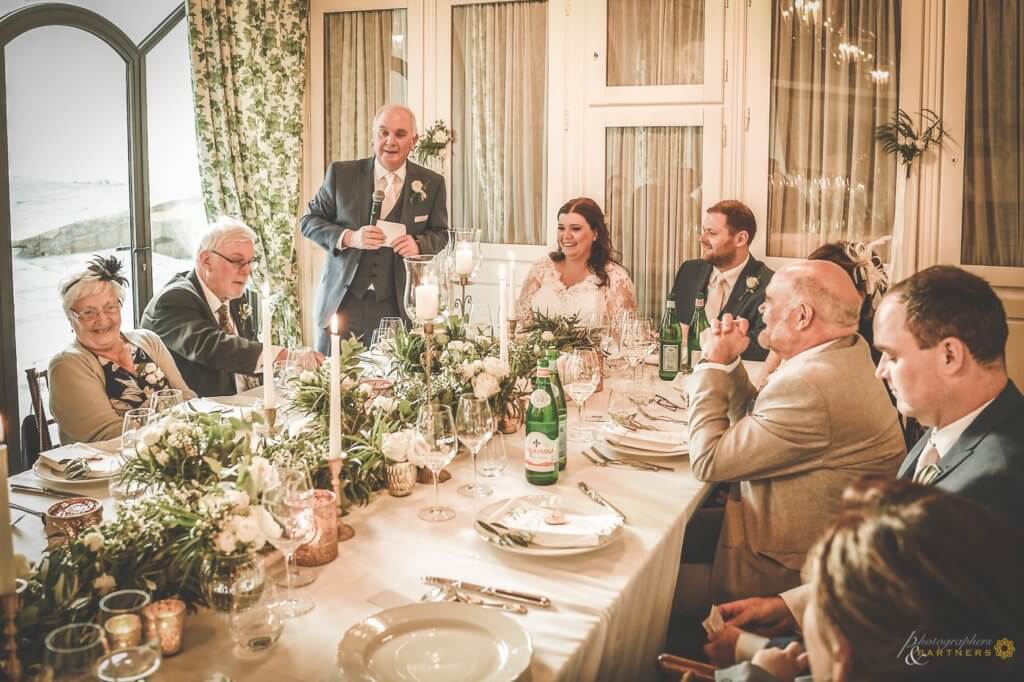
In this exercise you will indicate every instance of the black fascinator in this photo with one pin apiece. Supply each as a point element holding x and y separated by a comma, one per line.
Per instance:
<point>103,270</point>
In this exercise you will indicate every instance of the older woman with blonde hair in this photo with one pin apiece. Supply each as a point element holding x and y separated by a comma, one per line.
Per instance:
<point>105,371</point>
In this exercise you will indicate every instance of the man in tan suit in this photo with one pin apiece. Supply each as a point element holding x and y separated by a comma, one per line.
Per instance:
<point>822,421</point>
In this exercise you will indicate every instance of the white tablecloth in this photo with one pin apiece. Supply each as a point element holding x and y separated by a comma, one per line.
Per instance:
<point>611,606</point>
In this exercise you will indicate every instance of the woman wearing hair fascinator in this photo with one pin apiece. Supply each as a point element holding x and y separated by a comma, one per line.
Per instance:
<point>105,371</point>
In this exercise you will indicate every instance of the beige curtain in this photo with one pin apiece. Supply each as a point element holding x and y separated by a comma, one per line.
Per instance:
<point>834,79</point>
<point>499,113</point>
<point>365,69</point>
<point>993,219</point>
<point>656,42</point>
<point>653,204</point>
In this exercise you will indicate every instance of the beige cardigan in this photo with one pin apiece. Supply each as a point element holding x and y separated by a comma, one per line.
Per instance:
<point>78,395</point>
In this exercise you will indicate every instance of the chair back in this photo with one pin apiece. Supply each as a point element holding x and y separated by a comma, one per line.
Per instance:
<point>677,668</point>
<point>38,386</point>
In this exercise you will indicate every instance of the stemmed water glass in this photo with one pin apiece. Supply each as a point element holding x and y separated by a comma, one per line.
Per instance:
<point>474,425</point>
<point>492,459</point>
<point>290,504</point>
<point>581,372</point>
<point>135,422</point>
<point>435,447</point>
<point>638,341</point>
<point>165,399</point>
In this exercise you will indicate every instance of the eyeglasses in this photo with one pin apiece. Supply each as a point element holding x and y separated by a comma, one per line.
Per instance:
<point>91,314</point>
<point>239,264</point>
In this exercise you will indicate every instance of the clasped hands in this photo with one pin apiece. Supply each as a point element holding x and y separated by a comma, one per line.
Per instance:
<point>305,358</point>
<point>725,340</point>
<point>371,238</point>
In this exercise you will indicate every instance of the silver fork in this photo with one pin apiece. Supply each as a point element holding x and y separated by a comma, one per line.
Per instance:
<point>603,461</point>
<point>636,464</point>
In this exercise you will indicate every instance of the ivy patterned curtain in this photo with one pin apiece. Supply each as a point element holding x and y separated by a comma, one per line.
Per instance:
<point>248,80</point>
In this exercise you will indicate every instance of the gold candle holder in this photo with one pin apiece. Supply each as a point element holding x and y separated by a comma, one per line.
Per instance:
<point>123,630</point>
<point>323,548</point>
<point>463,301</point>
<point>511,328</point>
<point>345,531</point>
<point>428,335</point>
<point>270,420</point>
<point>10,664</point>
<point>165,620</point>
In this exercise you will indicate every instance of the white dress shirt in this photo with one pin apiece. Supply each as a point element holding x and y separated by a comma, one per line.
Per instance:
<point>944,438</point>
<point>718,295</point>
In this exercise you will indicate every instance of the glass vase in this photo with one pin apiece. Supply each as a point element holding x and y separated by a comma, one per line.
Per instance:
<point>222,575</point>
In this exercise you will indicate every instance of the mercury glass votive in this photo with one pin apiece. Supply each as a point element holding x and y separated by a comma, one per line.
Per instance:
<point>166,618</point>
<point>323,548</point>
<point>123,631</point>
<point>121,615</point>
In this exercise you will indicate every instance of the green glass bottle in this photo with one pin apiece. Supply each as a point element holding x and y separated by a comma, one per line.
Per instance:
<point>698,323</point>
<point>558,393</point>
<point>541,451</point>
<point>670,343</point>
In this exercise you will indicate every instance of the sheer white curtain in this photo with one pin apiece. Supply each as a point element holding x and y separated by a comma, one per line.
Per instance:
<point>834,79</point>
<point>365,69</point>
<point>653,204</point>
<point>993,219</point>
<point>656,42</point>
<point>499,113</point>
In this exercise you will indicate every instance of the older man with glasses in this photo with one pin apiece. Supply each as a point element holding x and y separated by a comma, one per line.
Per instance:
<point>204,316</point>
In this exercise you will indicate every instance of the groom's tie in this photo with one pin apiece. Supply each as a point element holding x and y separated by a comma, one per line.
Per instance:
<point>927,466</point>
<point>716,296</point>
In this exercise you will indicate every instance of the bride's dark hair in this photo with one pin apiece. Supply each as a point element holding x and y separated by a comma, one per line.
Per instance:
<point>601,252</point>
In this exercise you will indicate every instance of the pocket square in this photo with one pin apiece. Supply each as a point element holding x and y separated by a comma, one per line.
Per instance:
<point>421,218</point>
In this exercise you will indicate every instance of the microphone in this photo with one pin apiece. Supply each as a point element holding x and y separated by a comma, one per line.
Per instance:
<point>378,199</point>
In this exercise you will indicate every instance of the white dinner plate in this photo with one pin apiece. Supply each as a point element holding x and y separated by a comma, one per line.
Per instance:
<point>47,474</point>
<point>581,506</point>
<point>435,642</point>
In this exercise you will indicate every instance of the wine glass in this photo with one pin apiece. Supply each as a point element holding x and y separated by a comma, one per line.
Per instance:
<point>132,663</point>
<point>72,651</point>
<point>638,341</point>
<point>474,425</point>
<point>135,422</point>
<point>581,374</point>
<point>165,399</point>
<point>492,459</point>
<point>298,479</point>
<point>435,447</point>
<point>256,624</point>
<point>290,505</point>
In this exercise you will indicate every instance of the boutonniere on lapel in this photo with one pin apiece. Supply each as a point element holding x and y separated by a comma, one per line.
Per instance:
<point>244,312</point>
<point>417,189</point>
<point>752,284</point>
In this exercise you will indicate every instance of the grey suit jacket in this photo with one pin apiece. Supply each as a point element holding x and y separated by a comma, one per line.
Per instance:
<point>344,201</point>
<point>207,356</point>
<point>822,421</point>
<point>692,279</point>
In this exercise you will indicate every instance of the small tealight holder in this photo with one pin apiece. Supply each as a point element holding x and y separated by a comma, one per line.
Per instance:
<point>323,548</point>
<point>123,631</point>
<point>121,615</point>
<point>166,621</point>
<point>66,519</point>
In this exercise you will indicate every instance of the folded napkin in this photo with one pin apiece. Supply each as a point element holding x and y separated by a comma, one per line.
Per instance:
<point>101,464</point>
<point>579,530</point>
<point>656,441</point>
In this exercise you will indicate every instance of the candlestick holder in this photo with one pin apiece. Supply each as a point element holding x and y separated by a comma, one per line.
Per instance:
<point>428,336</point>
<point>463,302</point>
<point>10,664</point>
<point>511,327</point>
<point>270,420</point>
<point>345,531</point>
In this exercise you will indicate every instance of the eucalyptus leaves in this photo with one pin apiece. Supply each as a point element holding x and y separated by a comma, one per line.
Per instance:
<point>899,136</point>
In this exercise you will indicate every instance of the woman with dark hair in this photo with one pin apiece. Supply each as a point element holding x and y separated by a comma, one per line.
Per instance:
<point>581,276</point>
<point>908,583</point>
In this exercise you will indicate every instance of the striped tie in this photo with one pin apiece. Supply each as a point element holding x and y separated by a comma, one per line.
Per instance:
<point>248,381</point>
<point>927,466</point>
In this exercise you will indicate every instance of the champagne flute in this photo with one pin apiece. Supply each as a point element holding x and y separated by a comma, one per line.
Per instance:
<point>290,504</point>
<point>135,422</point>
<point>582,373</point>
<point>72,651</point>
<point>165,399</point>
<point>474,425</point>
<point>435,447</point>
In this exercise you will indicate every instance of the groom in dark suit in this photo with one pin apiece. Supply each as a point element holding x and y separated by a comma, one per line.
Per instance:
<point>364,276</point>
<point>731,280</point>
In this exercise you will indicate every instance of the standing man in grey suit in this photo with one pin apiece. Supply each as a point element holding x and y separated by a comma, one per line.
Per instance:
<point>942,333</point>
<point>364,276</point>
<point>731,280</point>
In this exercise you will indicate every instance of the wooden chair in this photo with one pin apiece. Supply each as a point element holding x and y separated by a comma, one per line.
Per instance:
<point>684,670</point>
<point>38,381</point>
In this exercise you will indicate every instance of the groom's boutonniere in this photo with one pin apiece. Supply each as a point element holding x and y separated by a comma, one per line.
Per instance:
<point>752,284</point>
<point>244,312</point>
<point>417,189</point>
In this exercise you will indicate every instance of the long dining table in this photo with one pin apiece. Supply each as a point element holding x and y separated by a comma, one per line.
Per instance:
<point>610,608</point>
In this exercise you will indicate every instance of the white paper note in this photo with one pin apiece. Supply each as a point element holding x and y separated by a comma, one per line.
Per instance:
<point>392,231</point>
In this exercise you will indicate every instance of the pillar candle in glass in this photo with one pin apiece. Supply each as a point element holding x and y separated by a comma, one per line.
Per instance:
<point>464,259</point>
<point>426,301</point>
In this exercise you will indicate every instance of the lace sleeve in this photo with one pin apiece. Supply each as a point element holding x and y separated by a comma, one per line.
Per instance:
<point>534,279</point>
<point>621,295</point>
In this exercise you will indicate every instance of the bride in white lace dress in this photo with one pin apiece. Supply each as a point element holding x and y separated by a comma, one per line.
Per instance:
<point>580,278</point>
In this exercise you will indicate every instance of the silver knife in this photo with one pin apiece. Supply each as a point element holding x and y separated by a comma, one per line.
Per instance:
<point>593,494</point>
<point>33,490</point>
<point>511,595</point>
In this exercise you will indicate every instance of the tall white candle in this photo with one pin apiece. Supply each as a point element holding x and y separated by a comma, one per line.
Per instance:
<point>502,317</point>
<point>269,392</point>
<point>464,259</point>
<point>426,299</point>
<point>7,569</point>
<point>334,434</point>
<point>510,311</point>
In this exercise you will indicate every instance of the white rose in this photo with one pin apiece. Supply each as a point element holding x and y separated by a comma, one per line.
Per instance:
<point>93,541</point>
<point>150,367</point>
<point>150,437</point>
<point>264,475</point>
<point>384,404</point>
<point>495,367</point>
<point>161,457</point>
<point>226,542</point>
<point>348,383</point>
<point>238,499</point>
<point>417,186</point>
<point>485,385</point>
<point>159,374</point>
<point>307,377</point>
<point>151,379</point>
<point>246,529</point>
<point>396,446</point>
<point>469,369</point>
<point>547,336</point>
<point>752,282</point>
<point>104,584</point>
<point>440,137</point>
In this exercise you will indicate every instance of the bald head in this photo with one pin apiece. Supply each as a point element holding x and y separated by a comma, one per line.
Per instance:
<point>807,304</point>
<point>394,135</point>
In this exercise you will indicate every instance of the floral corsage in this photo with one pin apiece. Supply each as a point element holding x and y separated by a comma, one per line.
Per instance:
<point>417,189</point>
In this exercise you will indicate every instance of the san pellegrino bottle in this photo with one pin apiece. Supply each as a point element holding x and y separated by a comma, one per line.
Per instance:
<point>698,323</point>
<point>558,393</point>
<point>670,343</point>
<point>541,452</point>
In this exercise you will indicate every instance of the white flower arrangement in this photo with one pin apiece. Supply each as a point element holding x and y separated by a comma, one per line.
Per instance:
<point>434,141</point>
<point>399,446</point>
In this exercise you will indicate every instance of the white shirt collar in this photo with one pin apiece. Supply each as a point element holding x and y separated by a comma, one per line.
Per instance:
<point>380,172</point>
<point>212,299</point>
<point>814,350</point>
<point>730,275</point>
<point>944,438</point>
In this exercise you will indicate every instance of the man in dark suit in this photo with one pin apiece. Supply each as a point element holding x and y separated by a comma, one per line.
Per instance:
<point>364,276</point>
<point>205,317</point>
<point>942,333</point>
<point>731,280</point>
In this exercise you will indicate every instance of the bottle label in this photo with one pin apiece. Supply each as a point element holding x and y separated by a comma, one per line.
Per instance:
<point>541,452</point>
<point>694,357</point>
<point>540,399</point>
<point>670,358</point>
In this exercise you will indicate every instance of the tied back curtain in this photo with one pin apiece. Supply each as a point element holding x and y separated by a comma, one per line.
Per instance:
<point>249,79</point>
<point>365,69</point>
<point>499,112</point>
<point>833,81</point>
<point>655,42</point>
<point>653,204</point>
<point>993,217</point>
